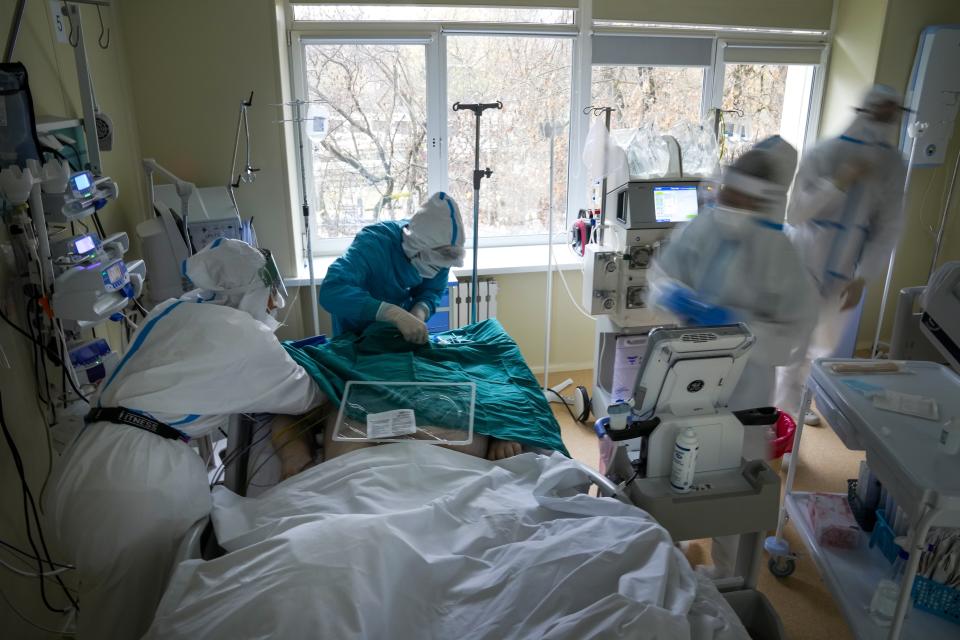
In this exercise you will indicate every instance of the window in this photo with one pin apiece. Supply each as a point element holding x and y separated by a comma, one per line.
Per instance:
<point>371,165</point>
<point>386,76</point>
<point>662,96</point>
<point>762,100</point>
<point>522,143</point>
<point>412,13</point>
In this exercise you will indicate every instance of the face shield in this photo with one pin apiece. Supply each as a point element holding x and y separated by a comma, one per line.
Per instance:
<point>270,275</point>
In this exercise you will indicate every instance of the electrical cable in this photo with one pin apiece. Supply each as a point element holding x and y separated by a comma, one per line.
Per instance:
<point>27,502</point>
<point>99,225</point>
<point>566,286</point>
<point>3,597</point>
<point>234,456</point>
<point>64,358</point>
<point>28,574</point>
<point>277,451</point>
<point>27,555</point>
<point>564,401</point>
<point>143,311</point>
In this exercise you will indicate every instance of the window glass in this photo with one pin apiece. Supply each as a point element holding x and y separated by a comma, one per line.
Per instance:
<point>412,13</point>
<point>661,96</point>
<point>762,100</point>
<point>371,165</point>
<point>532,77</point>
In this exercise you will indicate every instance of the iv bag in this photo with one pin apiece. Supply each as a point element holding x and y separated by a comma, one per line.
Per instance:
<point>698,148</point>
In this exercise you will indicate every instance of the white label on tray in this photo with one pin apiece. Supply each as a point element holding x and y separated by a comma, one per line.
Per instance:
<point>387,424</point>
<point>907,404</point>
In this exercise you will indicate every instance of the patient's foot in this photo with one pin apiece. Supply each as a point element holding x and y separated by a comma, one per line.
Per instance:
<point>502,449</point>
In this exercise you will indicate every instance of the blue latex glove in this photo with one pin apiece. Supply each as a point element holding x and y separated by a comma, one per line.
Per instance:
<point>684,303</point>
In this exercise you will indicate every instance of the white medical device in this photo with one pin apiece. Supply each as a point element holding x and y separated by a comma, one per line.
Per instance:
<point>94,281</point>
<point>940,320</point>
<point>83,195</point>
<point>686,380</point>
<point>934,94</point>
<point>932,331</point>
<point>641,216</point>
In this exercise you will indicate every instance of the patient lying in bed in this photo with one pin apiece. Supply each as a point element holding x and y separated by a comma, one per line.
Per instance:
<point>510,410</point>
<point>408,541</point>
<point>296,450</point>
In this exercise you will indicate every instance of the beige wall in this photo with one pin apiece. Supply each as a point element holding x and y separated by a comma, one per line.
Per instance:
<point>192,65</point>
<point>853,61</point>
<point>53,84</point>
<point>901,33</point>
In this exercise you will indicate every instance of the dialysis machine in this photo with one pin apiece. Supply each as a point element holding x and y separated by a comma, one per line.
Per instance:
<point>641,216</point>
<point>668,379</point>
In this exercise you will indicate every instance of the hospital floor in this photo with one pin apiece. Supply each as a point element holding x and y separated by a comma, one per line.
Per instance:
<point>803,602</point>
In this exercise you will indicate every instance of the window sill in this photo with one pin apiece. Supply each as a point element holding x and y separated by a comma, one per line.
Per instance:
<point>492,261</point>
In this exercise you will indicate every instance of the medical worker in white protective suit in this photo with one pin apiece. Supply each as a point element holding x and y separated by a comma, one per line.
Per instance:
<point>845,216</point>
<point>733,263</point>
<point>124,496</point>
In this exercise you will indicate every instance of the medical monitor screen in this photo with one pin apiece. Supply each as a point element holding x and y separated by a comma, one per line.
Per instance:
<point>675,204</point>
<point>85,245</point>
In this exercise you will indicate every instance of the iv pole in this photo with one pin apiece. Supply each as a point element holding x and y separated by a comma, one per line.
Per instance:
<point>915,131</point>
<point>298,119</point>
<point>478,175</point>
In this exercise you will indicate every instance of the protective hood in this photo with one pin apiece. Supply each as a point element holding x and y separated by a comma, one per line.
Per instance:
<point>776,160</point>
<point>864,127</point>
<point>434,238</point>
<point>232,273</point>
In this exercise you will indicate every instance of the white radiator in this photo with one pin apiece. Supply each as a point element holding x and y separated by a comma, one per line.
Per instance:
<point>461,299</point>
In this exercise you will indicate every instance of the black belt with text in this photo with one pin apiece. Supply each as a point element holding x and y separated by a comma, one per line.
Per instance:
<point>119,415</point>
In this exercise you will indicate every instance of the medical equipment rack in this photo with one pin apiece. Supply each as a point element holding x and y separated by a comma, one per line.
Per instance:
<point>902,451</point>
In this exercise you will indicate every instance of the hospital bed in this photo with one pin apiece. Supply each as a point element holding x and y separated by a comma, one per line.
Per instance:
<point>412,540</point>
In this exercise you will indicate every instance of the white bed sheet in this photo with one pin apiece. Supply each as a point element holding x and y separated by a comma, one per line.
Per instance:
<point>415,541</point>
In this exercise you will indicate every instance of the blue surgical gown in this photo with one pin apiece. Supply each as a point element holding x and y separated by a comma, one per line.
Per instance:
<point>375,269</point>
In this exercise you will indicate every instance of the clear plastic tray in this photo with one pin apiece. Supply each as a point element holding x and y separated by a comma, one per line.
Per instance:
<point>434,412</point>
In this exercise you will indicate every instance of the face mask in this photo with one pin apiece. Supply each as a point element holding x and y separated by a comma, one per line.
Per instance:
<point>424,269</point>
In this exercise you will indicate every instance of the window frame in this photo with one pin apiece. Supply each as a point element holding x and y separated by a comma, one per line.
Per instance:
<point>433,36</point>
<point>816,87</point>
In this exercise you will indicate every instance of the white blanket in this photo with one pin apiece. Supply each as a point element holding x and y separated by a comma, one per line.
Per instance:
<point>416,541</point>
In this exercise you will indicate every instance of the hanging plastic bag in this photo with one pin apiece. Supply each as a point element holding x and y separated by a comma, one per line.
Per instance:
<point>602,158</point>
<point>647,153</point>
<point>698,148</point>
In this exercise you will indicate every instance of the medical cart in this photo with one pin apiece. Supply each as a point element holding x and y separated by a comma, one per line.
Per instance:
<point>903,452</point>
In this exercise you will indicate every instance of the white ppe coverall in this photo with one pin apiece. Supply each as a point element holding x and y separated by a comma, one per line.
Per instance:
<point>842,235</point>
<point>122,497</point>
<point>744,262</point>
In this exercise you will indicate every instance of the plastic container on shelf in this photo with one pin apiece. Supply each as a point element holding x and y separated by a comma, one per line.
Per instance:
<point>883,538</point>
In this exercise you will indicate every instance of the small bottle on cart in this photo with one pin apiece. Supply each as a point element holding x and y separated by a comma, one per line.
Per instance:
<point>684,460</point>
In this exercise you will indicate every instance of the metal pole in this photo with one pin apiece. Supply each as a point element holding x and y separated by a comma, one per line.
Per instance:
<point>87,99</point>
<point>14,32</point>
<point>298,121</point>
<point>476,219</point>
<point>546,347</point>
<point>603,185</point>
<point>478,175</point>
<point>943,219</point>
<point>917,131</point>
